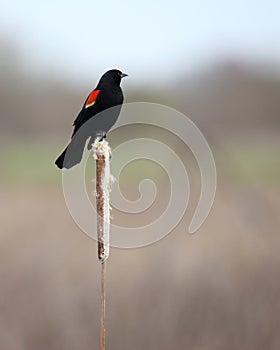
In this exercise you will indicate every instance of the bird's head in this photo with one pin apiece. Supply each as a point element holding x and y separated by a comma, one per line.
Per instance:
<point>113,74</point>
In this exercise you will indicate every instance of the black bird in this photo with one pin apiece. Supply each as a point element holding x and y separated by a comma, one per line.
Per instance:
<point>97,109</point>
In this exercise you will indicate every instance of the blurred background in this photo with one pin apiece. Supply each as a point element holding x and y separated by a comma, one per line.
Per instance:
<point>217,62</point>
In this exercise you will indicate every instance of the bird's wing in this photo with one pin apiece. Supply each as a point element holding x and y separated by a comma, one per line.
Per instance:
<point>90,101</point>
<point>92,97</point>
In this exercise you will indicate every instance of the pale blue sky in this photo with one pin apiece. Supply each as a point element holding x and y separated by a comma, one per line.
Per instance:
<point>147,39</point>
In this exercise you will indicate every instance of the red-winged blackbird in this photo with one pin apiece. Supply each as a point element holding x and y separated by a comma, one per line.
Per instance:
<point>98,109</point>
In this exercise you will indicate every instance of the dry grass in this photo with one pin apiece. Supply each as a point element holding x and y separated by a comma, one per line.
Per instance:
<point>218,289</point>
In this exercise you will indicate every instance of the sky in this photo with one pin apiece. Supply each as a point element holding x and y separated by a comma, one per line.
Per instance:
<point>150,40</point>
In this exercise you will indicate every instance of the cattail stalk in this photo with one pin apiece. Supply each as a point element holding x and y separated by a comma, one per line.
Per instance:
<point>102,154</point>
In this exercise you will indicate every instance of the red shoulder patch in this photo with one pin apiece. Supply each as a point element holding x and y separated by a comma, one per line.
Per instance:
<point>92,98</point>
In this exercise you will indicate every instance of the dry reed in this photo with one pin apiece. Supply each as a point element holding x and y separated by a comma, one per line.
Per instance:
<point>102,154</point>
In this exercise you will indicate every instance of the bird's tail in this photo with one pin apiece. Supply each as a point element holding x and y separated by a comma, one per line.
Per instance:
<point>60,160</point>
<point>71,156</point>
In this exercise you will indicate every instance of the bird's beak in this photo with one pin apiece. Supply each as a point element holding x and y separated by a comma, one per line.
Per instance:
<point>124,75</point>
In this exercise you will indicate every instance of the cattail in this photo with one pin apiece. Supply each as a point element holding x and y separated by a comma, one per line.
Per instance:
<point>102,153</point>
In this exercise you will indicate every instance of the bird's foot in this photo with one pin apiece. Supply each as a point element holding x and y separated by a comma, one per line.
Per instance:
<point>102,135</point>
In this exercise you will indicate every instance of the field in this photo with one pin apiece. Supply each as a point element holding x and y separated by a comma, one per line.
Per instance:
<point>217,289</point>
